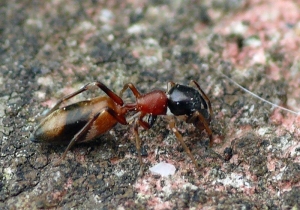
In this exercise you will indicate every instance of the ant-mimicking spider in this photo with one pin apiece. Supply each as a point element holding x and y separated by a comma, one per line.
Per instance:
<point>85,120</point>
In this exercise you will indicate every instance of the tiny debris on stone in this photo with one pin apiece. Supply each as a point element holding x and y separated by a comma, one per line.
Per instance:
<point>163,169</point>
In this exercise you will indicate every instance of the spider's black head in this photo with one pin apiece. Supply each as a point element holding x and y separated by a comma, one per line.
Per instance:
<point>185,100</point>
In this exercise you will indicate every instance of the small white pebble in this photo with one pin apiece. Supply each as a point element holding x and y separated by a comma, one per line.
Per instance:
<point>163,169</point>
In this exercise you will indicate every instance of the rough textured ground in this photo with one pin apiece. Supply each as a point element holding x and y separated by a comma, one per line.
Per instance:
<point>49,49</point>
